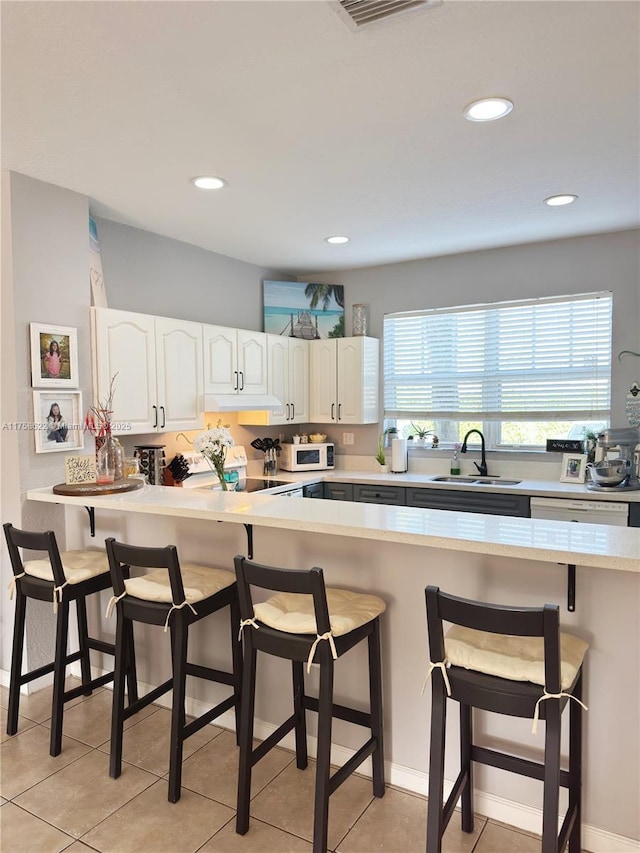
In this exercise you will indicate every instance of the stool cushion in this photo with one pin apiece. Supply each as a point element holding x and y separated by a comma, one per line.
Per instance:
<point>78,565</point>
<point>199,583</point>
<point>294,613</point>
<point>515,658</point>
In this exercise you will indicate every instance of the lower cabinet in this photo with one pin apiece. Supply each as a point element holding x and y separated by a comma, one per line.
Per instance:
<point>338,491</point>
<point>491,503</point>
<point>315,490</point>
<point>394,495</point>
<point>634,515</point>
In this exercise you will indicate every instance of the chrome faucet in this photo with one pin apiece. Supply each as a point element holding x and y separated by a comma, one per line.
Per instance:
<point>482,467</point>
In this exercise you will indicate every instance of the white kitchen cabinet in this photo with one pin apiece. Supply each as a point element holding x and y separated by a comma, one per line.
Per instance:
<point>288,380</point>
<point>158,362</point>
<point>235,361</point>
<point>344,380</point>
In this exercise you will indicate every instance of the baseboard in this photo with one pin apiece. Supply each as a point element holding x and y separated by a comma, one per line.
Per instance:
<point>518,815</point>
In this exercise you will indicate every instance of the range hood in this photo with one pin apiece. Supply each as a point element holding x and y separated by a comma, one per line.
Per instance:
<point>240,402</point>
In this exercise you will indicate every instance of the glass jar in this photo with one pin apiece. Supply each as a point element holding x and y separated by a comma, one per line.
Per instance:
<point>109,459</point>
<point>359,319</point>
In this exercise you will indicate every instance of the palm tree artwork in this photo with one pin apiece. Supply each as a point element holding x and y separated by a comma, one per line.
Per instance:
<point>304,310</point>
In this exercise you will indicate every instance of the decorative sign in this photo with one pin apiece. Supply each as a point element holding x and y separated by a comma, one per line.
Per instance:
<point>564,445</point>
<point>80,469</point>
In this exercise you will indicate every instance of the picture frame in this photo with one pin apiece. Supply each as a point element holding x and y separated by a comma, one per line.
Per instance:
<point>54,356</point>
<point>574,467</point>
<point>306,310</point>
<point>53,436</point>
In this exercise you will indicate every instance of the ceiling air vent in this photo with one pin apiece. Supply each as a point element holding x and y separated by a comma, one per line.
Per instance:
<point>361,13</point>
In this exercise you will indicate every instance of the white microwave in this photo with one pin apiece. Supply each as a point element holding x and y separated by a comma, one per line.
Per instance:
<point>307,457</point>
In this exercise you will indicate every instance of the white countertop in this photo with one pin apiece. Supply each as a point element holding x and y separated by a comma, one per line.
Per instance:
<point>595,545</point>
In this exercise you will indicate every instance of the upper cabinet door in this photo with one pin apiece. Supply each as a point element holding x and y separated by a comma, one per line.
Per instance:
<point>357,379</point>
<point>179,373</point>
<point>220,360</point>
<point>124,344</point>
<point>324,359</point>
<point>252,362</point>
<point>278,375</point>
<point>298,380</point>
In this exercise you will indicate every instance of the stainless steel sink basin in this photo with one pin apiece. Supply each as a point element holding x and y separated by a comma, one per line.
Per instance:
<point>477,481</point>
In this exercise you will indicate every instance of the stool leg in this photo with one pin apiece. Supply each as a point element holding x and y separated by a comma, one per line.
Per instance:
<point>375,700</point>
<point>59,672</point>
<point>179,636</point>
<point>299,712</point>
<point>246,736</point>
<point>551,798</point>
<point>236,660</point>
<point>117,707</point>
<point>436,764</point>
<point>16,661</point>
<point>575,768</point>
<point>83,642</point>
<point>466,739</point>
<point>323,767</point>
<point>132,672</point>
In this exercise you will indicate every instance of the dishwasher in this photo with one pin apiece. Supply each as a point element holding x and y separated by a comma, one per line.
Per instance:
<point>615,513</point>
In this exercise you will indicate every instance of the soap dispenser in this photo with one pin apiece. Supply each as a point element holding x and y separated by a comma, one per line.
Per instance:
<point>455,460</point>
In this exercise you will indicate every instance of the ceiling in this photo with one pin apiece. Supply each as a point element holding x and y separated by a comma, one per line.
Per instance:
<point>320,130</point>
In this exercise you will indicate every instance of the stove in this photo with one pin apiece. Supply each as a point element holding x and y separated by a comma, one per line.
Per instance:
<point>202,477</point>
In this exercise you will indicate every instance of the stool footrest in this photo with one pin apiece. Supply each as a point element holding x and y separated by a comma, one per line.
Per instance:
<point>341,712</point>
<point>273,739</point>
<point>514,764</point>
<point>26,677</point>
<point>101,646</point>
<point>201,721</point>
<point>147,699</point>
<point>89,685</point>
<point>352,764</point>
<point>209,674</point>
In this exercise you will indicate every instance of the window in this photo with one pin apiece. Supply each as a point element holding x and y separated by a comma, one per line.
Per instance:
<point>520,371</point>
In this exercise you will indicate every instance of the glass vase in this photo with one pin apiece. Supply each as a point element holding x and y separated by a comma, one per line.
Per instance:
<point>359,319</point>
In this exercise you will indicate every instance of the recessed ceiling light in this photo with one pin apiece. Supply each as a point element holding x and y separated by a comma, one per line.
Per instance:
<point>488,109</point>
<point>337,239</point>
<point>559,200</point>
<point>205,182</point>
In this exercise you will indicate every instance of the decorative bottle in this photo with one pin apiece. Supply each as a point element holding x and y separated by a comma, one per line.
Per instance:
<point>455,460</point>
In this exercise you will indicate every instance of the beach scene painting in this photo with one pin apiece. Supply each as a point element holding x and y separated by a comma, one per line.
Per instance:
<point>303,310</point>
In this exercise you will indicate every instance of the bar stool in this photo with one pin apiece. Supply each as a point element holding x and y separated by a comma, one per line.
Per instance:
<point>303,622</point>
<point>514,661</point>
<point>174,596</point>
<point>61,578</point>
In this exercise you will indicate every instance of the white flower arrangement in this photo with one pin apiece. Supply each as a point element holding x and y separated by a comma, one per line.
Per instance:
<point>213,445</point>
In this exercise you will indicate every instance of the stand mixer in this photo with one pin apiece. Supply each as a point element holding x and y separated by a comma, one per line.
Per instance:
<point>625,440</point>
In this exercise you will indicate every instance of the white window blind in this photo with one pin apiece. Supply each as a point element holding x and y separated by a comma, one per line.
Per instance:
<point>530,360</point>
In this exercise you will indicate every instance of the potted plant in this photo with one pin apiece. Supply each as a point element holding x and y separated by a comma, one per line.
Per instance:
<point>389,434</point>
<point>421,434</point>
<point>380,457</point>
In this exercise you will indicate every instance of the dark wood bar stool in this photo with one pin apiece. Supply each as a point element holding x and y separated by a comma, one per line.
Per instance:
<point>61,578</point>
<point>306,622</point>
<point>514,661</point>
<point>174,596</point>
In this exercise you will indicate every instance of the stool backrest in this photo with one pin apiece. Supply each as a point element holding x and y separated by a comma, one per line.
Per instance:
<point>497,619</point>
<point>300,581</point>
<point>123,556</point>
<point>33,541</point>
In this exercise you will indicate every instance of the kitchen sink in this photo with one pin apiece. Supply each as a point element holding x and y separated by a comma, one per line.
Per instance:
<point>477,481</point>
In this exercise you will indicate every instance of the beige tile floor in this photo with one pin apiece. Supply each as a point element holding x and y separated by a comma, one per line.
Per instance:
<point>70,803</point>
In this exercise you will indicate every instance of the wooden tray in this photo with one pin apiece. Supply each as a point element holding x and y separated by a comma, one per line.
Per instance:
<point>82,489</point>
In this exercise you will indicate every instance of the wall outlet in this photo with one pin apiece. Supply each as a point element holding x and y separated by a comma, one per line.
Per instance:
<point>347,438</point>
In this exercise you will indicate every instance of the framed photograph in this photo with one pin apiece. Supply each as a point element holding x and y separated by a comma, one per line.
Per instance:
<point>58,421</point>
<point>54,356</point>
<point>574,466</point>
<point>302,310</point>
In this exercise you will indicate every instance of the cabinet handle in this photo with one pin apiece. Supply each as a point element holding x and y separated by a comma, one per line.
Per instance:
<point>333,411</point>
<point>293,411</point>
<point>242,380</point>
<point>339,411</point>
<point>235,387</point>
<point>286,411</point>
<point>164,420</point>
<point>155,417</point>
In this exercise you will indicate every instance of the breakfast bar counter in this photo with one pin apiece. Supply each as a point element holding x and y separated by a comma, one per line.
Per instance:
<point>395,552</point>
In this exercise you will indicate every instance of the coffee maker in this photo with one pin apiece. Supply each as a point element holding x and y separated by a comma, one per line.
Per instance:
<point>624,442</point>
